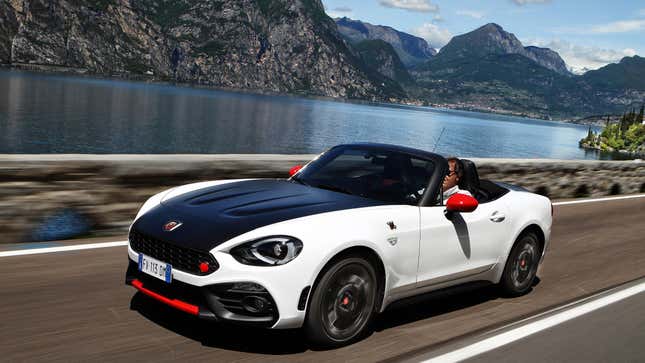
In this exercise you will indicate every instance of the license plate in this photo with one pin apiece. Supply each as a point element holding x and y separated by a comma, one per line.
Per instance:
<point>155,268</point>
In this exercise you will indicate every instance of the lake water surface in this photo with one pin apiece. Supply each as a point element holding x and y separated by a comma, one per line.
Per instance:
<point>42,113</point>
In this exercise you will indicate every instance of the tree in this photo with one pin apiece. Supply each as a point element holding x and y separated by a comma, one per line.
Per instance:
<point>639,120</point>
<point>589,134</point>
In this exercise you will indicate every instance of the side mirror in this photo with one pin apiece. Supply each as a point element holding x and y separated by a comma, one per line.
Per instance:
<point>461,203</point>
<point>294,170</point>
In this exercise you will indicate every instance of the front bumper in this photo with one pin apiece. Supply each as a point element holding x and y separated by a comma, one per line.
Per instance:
<point>239,303</point>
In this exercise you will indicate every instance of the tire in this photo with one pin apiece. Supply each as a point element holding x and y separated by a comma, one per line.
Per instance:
<point>521,266</point>
<point>343,303</point>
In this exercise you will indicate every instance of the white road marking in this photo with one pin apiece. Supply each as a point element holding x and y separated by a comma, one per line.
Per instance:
<point>523,331</point>
<point>600,199</point>
<point>88,246</point>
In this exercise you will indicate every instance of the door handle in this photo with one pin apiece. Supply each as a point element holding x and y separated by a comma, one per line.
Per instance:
<point>497,217</point>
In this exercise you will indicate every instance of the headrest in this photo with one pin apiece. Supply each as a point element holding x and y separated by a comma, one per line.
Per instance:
<point>470,180</point>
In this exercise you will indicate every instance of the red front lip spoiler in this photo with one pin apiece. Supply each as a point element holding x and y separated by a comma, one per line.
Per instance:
<point>177,304</point>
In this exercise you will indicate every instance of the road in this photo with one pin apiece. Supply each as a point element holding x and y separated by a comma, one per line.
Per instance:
<point>73,306</point>
<point>612,334</point>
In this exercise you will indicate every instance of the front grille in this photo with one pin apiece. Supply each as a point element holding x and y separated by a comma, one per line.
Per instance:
<point>181,258</point>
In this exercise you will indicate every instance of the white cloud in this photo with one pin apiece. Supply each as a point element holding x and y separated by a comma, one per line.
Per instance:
<point>422,6</point>
<point>581,58</point>
<point>641,12</point>
<point>437,18</point>
<point>622,26</point>
<point>524,2</point>
<point>471,13</point>
<point>343,9</point>
<point>339,12</point>
<point>436,36</point>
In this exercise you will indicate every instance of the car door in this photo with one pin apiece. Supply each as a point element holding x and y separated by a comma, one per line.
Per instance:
<point>465,245</point>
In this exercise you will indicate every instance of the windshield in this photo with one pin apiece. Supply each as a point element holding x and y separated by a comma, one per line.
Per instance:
<point>383,175</point>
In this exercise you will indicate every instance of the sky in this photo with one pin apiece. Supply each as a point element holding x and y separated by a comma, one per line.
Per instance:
<point>587,33</point>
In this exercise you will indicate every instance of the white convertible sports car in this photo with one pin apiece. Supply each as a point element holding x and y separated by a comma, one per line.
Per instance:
<point>357,228</point>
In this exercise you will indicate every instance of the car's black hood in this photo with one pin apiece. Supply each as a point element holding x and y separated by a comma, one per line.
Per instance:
<point>213,215</point>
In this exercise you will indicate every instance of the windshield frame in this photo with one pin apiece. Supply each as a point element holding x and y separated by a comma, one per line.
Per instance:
<point>430,197</point>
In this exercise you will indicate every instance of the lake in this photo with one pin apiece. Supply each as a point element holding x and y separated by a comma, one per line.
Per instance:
<point>42,113</point>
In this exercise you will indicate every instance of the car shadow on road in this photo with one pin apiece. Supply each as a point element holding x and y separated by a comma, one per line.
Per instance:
<point>281,342</point>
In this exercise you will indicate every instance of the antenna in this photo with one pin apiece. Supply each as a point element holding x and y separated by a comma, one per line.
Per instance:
<point>436,142</point>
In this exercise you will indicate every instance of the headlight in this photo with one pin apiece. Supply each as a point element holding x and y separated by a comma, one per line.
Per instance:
<point>268,251</point>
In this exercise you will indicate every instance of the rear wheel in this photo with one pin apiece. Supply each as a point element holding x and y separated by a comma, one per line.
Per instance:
<point>521,266</point>
<point>342,304</point>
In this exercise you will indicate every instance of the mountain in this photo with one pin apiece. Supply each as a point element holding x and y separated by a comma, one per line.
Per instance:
<point>381,57</point>
<point>279,46</point>
<point>410,49</point>
<point>492,39</point>
<point>489,69</point>
<point>547,58</point>
<point>629,73</point>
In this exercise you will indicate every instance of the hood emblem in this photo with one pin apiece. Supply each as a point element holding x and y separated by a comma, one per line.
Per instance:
<point>171,226</point>
<point>391,225</point>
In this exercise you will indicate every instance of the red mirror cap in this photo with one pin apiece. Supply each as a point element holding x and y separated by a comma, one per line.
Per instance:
<point>461,203</point>
<point>294,170</point>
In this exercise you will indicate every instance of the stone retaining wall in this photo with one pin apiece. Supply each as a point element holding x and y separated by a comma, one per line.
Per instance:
<point>61,196</point>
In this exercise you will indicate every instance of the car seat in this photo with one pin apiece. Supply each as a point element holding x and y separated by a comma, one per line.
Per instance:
<point>470,181</point>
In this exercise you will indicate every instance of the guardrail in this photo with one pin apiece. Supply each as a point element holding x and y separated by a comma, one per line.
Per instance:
<point>45,197</point>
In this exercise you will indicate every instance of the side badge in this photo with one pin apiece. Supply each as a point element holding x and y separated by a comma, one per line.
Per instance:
<point>391,225</point>
<point>392,240</point>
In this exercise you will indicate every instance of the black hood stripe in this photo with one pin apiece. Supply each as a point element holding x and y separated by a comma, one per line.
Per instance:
<point>215,214</point>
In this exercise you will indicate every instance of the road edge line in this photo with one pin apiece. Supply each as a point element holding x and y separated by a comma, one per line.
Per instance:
<point>600,199</point>
<point>88,246</point>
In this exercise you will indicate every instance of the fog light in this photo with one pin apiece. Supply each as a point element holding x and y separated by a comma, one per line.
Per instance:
<point>255,304</point>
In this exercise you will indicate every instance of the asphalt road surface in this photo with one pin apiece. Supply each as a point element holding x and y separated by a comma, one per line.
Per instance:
<point>614,333</point>
<point>73,306</point>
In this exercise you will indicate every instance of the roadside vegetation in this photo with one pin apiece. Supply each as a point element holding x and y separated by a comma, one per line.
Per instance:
<point>627,135</point>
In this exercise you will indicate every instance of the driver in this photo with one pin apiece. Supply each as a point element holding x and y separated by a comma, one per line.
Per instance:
<point>451,181</point>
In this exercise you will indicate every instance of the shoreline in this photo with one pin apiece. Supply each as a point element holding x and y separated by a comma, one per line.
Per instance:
<point>154,80</point>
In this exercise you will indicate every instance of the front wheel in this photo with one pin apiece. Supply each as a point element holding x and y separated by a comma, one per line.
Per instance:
<point>521,266</point>
<point>342,304</point>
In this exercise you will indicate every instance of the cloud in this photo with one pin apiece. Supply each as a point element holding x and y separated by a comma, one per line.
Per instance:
<point>524,2</point>
<point>471,13</point>
<point>437,18</point>
<point>422,6</point>
<point>339,12</point>
<point>581,58</point>
<point>342,9</point>
<point>436,36</point>
<point>622,26</point>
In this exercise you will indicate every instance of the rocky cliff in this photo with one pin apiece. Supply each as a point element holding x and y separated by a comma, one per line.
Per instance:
<point>382,58</point>
<point>270,45</point>
<point>411,50</point>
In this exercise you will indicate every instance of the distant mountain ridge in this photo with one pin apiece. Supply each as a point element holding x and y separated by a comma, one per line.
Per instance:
<point>489,69</point>
<point>629,73</point>
<point>492,39</point>
<point>411,49</point>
